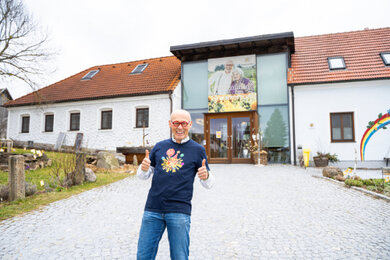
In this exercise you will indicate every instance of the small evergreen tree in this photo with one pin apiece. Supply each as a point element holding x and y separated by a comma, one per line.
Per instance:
<point>275,134</point>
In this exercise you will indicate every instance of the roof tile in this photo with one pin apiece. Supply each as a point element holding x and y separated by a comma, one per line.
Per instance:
<point>360,50</point>
<point>114,80</point>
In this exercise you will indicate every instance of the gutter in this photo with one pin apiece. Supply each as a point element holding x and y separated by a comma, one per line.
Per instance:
<point>86,98</point>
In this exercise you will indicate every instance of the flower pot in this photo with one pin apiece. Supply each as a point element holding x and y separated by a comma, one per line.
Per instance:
<point>263,157</point>
<point>320,161</point>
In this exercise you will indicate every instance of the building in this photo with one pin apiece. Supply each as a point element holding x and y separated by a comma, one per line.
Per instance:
<point>5,97</point>
<point>327,93</point>
<point>111,105</point>
<point>317,92</point>
<point>338,83</point>
<point>227,114</point>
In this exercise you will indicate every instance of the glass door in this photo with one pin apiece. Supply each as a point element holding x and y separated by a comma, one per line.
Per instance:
<point>218,141</point>
<point>241,134</point>
<point>228,137</point>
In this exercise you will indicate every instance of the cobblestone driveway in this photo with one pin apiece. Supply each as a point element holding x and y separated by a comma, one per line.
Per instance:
<point>273,212</point>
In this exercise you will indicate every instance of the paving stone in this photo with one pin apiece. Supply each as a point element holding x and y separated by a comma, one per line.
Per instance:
<point>272,212</point>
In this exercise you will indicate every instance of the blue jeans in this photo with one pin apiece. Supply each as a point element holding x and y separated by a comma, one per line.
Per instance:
<point>152,229</point>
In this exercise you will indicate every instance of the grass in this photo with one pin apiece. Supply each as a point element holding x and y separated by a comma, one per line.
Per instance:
<point>42,198</point>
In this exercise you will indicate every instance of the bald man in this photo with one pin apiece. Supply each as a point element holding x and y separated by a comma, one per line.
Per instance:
<point>174,164</point>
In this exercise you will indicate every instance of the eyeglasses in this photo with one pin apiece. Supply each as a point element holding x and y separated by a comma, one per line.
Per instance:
<point>182,123</point>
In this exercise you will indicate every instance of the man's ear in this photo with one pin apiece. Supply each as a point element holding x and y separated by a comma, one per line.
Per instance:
<point>190,124</point>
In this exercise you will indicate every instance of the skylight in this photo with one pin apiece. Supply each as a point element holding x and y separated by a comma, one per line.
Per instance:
<point>336,63</point>
<point>90,74</point>
<point>386,58</point>
<point>139,68</point>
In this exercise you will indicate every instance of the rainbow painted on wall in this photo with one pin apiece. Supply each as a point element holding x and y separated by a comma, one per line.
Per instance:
<point>378,124</point>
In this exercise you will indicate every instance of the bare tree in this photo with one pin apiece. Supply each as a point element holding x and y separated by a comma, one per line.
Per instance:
<point>23,50</point>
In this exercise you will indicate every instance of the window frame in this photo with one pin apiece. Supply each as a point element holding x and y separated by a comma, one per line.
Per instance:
<point>52,124</point>
<point>101,119</point>
<point>90,74</point>
<point>342,140</point>
<point>70,121</point>
<point>334,58</point>
<point>136,117</point>
<point>382,54</point>
<point>23,124</point>
<point>137,71</point>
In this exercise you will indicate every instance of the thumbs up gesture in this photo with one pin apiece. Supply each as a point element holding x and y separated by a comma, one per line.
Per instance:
<point>145,162</point>
<point>202,171</point>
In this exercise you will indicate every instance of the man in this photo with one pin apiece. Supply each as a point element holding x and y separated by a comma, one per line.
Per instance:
<point>220,81</point>
<point>174,163</point>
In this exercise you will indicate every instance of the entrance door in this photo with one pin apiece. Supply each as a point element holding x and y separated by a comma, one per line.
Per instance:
<point>228,136</point>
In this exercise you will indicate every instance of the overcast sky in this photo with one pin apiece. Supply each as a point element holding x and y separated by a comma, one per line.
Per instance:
<point>86,33</point>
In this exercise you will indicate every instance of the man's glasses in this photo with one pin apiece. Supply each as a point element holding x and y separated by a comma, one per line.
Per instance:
<point>182,123</point>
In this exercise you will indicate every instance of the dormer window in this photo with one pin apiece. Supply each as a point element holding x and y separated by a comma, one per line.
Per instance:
<point>336,63</point>
<point>386,58</point>
<point>139,69</point>
<point>90,74</point>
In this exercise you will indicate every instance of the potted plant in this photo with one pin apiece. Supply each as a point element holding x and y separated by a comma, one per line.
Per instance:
<point>254,150</point>
<point>323,159</point>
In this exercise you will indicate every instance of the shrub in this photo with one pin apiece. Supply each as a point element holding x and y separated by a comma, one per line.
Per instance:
<point>30,189</point>
<point>331,157</point>
<point>351,182</point>
<point>368,182</point>
<point>3,192</point>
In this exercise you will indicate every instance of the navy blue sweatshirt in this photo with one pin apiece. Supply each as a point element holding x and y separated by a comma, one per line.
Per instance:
<point>175,167</point>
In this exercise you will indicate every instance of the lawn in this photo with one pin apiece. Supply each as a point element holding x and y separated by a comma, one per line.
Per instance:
<point>41,198</point>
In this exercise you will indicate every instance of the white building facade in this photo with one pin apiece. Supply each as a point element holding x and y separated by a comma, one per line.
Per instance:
<point>124,131</point>
<point>314,104</point>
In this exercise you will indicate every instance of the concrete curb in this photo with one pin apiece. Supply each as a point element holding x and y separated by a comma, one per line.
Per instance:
<point>371,193</point>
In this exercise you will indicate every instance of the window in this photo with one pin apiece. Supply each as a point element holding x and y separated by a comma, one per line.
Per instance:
<point>139,69</point>
<point>90,74</point>
<point>336,63</point>
<point>74,121</point>
<point>142,117</point>
<point>106,122</point>
<point>49,122</point>
<point>25,124</point>
<point>386,58</point>
<point>342,127</point>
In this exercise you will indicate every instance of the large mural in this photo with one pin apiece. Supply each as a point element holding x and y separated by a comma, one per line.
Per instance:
<point>232,84</point>
<point>372,128</point>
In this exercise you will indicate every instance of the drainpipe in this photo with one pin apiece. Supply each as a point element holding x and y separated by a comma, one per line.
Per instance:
<point>293,123</point>
<point>171,109</point>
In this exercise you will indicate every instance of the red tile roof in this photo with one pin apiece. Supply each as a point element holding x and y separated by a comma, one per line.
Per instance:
<point>160,76</point>
<point>360,49</point>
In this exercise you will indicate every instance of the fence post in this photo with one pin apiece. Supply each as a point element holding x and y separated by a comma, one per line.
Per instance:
<point>80,168</point>
<point>16,177</point>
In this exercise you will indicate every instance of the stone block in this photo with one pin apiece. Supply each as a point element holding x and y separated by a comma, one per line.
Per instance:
<point>79,175</point>
<point>107,160</point>
<point>89,175</point>
<point>331,171</point>
<point>16,177</point>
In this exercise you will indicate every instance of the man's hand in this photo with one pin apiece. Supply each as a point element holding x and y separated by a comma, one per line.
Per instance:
<point>145,162</point>
<point>202,171</point>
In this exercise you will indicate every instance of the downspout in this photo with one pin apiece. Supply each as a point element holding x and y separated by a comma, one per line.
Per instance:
<point>171,109</point>
<point>293,123</point>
